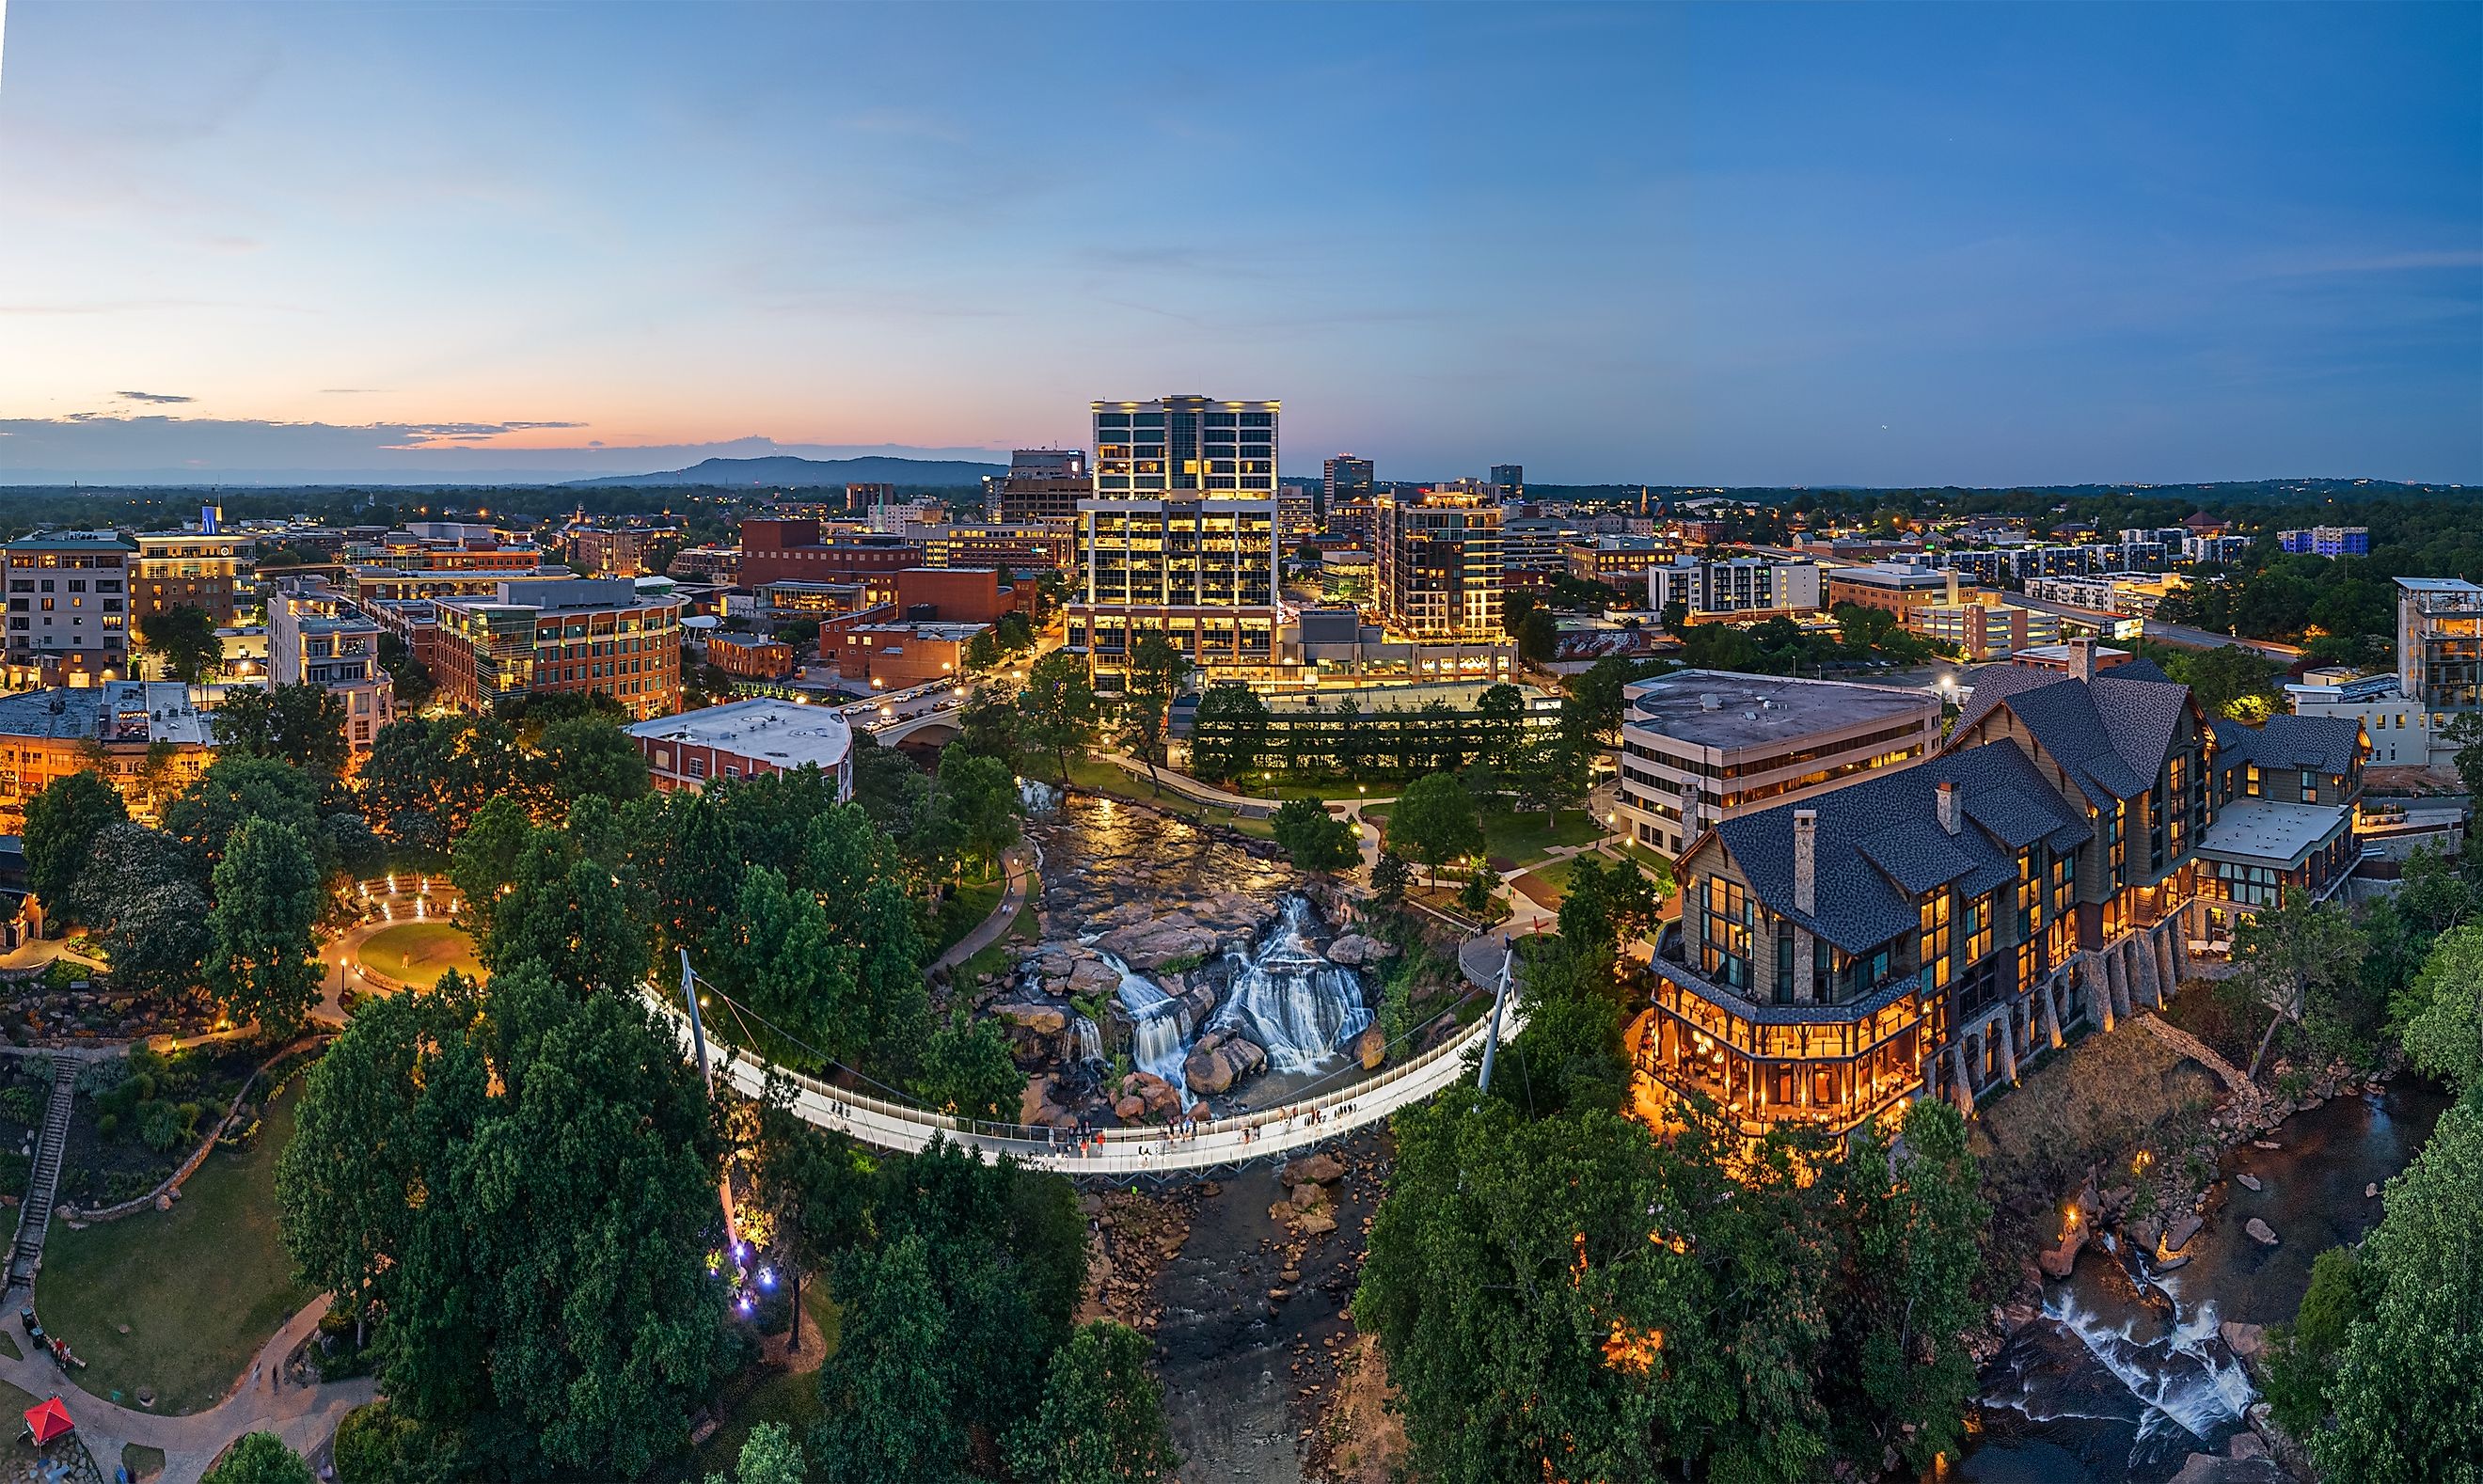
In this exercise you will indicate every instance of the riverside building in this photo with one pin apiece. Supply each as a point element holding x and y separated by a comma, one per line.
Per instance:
<point>1440,563</point>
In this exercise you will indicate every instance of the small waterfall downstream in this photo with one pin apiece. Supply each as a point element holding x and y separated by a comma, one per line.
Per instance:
<point>1085,1041</point>
<point>1298,1007</point>
<point>1159,1028</point>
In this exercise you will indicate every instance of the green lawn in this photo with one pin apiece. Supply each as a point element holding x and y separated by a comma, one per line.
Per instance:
<point>964,913</point>
<point>419,953</point>
<point>997,958</point>
<point>201,1287</point>
<point>1106,779</point>
<point>1524,839</point>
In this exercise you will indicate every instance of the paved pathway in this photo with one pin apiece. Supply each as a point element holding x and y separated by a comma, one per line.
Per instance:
<point>1020,866</point>
<point>1192,789</point>
<point>306,1418</point>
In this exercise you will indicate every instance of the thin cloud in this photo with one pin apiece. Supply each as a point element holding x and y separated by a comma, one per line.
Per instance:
<point>158,397</point>
<point>353,392</point>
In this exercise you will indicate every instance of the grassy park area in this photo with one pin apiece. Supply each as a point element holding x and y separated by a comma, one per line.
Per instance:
<point>200,1288</point>
<point>1095,777</point>
<point>419,953</point>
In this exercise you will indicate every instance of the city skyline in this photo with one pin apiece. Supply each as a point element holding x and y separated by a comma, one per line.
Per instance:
<point>1885,246</point>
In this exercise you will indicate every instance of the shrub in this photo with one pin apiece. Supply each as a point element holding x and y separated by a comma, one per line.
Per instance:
<point>18,1106</point>
<point>97,1077</point>
<point>15,1169</point>
<point>160,1126</point>
<point>108,1125</point>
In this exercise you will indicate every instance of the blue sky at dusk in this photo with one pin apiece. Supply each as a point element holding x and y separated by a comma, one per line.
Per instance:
<point>1749,245</point>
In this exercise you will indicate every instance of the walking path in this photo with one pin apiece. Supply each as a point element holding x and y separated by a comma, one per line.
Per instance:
<point>1020,866</point>
<point>304,1416</point>
<point>1192,789</point>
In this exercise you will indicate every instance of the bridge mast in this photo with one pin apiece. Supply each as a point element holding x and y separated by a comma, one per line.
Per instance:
<point>707,1075</point>
<point>1491,1042</point>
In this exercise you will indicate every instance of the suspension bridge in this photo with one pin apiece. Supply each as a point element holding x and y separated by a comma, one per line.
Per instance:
<point>1312,1117</point>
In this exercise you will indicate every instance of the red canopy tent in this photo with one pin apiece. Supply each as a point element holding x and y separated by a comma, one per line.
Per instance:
<point>49,1420</point>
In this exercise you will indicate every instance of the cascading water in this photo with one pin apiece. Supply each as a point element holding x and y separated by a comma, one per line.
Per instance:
<point>1159,1028</point>
<point>1085,1041</point>
<point>1290,999</point>
<point>1037,797</point>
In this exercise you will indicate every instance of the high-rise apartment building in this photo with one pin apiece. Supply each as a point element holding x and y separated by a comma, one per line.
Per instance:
<point>2328,541</point>
<point>2439,643</point>
<point>1178,535</point>
<point>1738,585</point>
<point>583,635</point>
<point>1511,479</point>
<point>1347,479</point>
<point>199,568</point>
<point>69,607</point>
<point>1044,484</point>
<point>314,637</point>
<point>1175,445</point>
<point>1440,562</point>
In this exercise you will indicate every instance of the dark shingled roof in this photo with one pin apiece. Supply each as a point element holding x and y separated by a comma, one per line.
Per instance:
<point>2323,744</point>
<point>1880,844</point>
<point>2110,733</point>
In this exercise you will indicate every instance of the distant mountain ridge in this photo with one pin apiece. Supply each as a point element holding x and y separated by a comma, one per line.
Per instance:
<point>788,470</point>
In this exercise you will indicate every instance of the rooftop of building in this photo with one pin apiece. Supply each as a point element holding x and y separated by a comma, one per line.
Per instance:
<point>78,714</point>
<point>1617,543</point>
<point>1891,574</point>
<point>785,732</point>
<point>743,641</point>
<point>569,595</point>
<point>922,628</point>
<point>2270,831</point>
<point>70,541</point>
<point>2439,585</point>
<point>1879,843</point>
<point>2322,744</point>
<point>1734,712</point>
<point>1411,696</point>
<point>2111,734</point>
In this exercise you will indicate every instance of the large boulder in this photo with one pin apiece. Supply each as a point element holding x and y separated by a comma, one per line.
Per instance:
<point>2184,1227</point>
<point>1319,1169</point>
<point>1356,949</point>
<point>1090,975</point>
<point>1206,1072</point>
<point>1151,945</point>
<point>1372,1046</point>
<point>1157,1097</point>
<point>2246,1341</point>
<point>1047,1021</point>
<point>2261,1231</point>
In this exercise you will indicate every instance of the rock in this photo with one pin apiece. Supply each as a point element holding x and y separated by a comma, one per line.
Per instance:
<point>1372,1046</point>
<point>1317,1222</point>
<point>1157,942</point>
<point>1091,975</point>
<point>2371,1191</point>
<point>1357,948</point>
<point>2261,1231</point>
<point>2181,1260</point>
<point>1130,1109</point>
<point>2117,1200</point>
<point>2248,1181</point>
<point>2246,1339</point>
<point>1307,1195</point>
<point>2209,1469</point>
<point>2245,1445</point>
<point>1046,1021</point>
<point>1156,1095</point>
<point>1206,1072</point>
<point>1319,1169</point>
<point>1035,1100</point>
<point>2184,1227</point>
<point>2266,1143</point>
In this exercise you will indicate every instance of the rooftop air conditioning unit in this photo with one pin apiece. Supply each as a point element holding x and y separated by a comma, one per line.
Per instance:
<point>1711,701</point>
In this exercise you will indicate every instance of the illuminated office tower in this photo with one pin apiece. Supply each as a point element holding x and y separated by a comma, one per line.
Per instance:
<point>1177,445</point>
<point>1440,562</point>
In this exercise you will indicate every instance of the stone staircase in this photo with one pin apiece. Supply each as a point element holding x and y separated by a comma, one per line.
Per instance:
<point>43,1183</point>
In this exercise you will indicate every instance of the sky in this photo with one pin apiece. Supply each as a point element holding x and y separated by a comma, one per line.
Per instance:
<point>1744,245</point>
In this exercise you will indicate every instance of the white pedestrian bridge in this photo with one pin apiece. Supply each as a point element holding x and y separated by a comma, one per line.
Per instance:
<point>1317,1116</point>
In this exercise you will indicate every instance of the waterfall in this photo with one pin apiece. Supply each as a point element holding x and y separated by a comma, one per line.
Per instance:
<point>2183,1376</point>
<point>1037,797</point>
<point>1159,1028</point>
<point>1290,999</point>
<point>1086,1040</point>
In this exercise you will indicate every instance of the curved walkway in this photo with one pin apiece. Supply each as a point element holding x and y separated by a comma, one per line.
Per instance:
<point>304,1416</point>
<point>1021,886</point>
<point>1132,1151</point>
<point>1192,789</point>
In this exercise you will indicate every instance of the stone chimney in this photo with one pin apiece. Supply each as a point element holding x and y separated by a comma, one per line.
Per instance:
<point>2082,664</point>
<point>1805,860</point>
<point>1952,807</point>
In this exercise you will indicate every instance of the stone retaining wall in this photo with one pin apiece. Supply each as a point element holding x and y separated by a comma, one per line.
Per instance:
<point>206,1146</point>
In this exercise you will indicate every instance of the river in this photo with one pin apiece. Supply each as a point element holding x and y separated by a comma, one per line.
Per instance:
<point>2125,1375</point>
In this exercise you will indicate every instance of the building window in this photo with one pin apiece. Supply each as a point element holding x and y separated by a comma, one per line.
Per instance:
<point>1726,933</point>
<point>2250,779</point>
<point>1935,916</point>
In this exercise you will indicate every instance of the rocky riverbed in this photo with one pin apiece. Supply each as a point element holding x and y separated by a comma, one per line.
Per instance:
<point>1177,974</point>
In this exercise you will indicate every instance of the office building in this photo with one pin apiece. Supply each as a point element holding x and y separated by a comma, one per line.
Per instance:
<point>621,551</point>
<point>1347,479</point>
<point>1020,548</point>
<point>1186,445</point>
<point>2220,549</point>
<point>1511,479</point>
<point>893,653</point>
<point>863,498</point>
<point>1891,587</point>
<point>1735,585</point>
<point>1043,483</point>
<point>2113,591</point>
<point>315,637</point>
<point>1984,631</point>
<point>2328,541</point>
<point>208,570</point>
<point>1439,563</point>
<point>2440,641</point>
<point>69,607</point>
<point>146,738</point>
<point>1618,561</point>
<point>750,656</point>
<point>1178,536</point>
<point>792,549</point>
<point>598,635</point>
<point>2401,733</point>
<point>1925,932</point>
<point>1699,746</point>
<point>961,594</point>
<point>1536,543</point>
<point>746,739</point>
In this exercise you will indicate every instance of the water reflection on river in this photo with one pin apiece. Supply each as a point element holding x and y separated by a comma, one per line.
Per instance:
<point>2125,1376</point>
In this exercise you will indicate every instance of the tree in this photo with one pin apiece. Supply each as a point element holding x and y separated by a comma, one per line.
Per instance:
<point>889,1389</point>
<point>590,755</point>
<point>1155,673</point>
<point>184,637</point>
<point>1228,733</point>
<point>62,824</point>
<point>303,725</point>
<point>2300,1362</point>
<point>983,651</point>
<point>1915,1253</point>
<point>977,797</point>
<point>2230,683</point>
<point>1477,896</point>
<point>816,1184</point>
<point>776,955</point>
<point>140,894</point>
<point>2465,731</point>
<point>263,953</point>
<point>1101,1417</point>
<point>1058,708</point>
<point>1435,822</point>
<point>569,914</point>
<point>2288,956</point>
<point>424,779</point>
<point>1503,710</point>
<point>1569,1058</point>
<point>1317,840</point>
<point>236,790</point>
<point>520,1184</point>
<point>258,1458</point>
<point>412,681</point>
<point>2439,1018</point>
<point>1390,877</point>
<point>770,1455</point>
<point>1549,773</point>
<point>2406,1409</point>
<point>967,1069</point>
<point>1676,616</point>
<point>1605,902</point>
<point>1538,638</point>
<point>1598,698</point>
